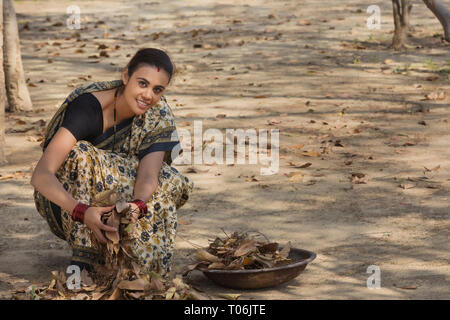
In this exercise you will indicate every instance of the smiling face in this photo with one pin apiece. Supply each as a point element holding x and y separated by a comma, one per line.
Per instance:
<point>144,88</point>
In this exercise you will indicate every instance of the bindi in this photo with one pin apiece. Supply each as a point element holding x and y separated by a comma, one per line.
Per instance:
<point>158,69</point>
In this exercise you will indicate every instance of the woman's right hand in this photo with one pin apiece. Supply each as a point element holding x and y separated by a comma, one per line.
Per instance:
<point>92,219</point>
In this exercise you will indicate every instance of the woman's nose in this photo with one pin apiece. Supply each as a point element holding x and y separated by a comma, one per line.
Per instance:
<point>147,94</point>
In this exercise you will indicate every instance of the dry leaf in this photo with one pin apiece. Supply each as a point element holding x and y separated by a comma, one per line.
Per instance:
<point>297,177</point>
<point>135,295</point>
<point>245,248</point>
<point>122,207</point>
<point>116,295</point>
<point>407,185</point>
<point>358,178</point>
<point>268,247</point>
<point>193,295</point>
<point>358,174</point>
<point>85,278</point>
<point>286,249</point>
<point>81,296</point>
<point>202,255</point>
<point>433,169</point>
<point>311,153</point>
<point>298,165</point>
<point>407,287</point>
<point>170,293</point>
<point>135,285</point>
<point>297,146</point>
<point>247,261</point>
<point>217,265</point>
<point>156,284</point>
<point>229,296</point>
<point>98,295</point>
<point>183,222</point>
<point>304,23</point>
<point>272,122</point>
<point>435,96</point>
<point>192,267</point>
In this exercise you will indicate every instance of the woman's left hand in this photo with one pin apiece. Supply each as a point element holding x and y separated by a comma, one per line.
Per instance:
<point>135,212</point>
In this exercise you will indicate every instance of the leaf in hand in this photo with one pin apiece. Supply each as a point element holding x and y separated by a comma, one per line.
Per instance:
<point>114,221</point>
<point>122,207</point>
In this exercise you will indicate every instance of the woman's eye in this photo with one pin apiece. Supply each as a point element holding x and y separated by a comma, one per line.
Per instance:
<point>142,83</point>
<point>158,90</point>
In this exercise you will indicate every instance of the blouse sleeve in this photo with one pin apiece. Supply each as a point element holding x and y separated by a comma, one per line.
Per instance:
<point>83,117</point>
<point>163,137</point>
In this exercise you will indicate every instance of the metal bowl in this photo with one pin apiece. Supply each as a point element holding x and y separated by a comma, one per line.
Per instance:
<point>262,278</point>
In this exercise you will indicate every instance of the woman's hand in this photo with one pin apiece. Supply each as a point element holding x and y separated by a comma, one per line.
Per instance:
<point>92,219</point>
<point>135,212</point>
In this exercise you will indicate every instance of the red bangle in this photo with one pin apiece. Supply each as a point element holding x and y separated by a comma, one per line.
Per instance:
<point>78,212</point>
<point>142,207</point>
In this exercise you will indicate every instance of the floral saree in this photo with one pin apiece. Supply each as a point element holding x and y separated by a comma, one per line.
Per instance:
<point>92,167</point>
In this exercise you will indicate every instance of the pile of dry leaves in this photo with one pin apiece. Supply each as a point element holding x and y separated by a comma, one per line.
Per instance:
<point>241,251</point>
<point>126,285</point>
<point>120,277</point>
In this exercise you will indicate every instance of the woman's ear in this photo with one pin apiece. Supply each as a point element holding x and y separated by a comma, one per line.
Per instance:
<point>125,76</point>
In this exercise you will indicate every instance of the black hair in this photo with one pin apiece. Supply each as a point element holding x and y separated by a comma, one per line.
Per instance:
<point>152,57</point>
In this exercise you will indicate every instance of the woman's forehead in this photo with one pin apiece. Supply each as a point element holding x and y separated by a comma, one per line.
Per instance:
<point>152,73</point>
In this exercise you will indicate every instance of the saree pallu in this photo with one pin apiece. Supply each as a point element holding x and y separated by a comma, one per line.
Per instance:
<point>92,167</point>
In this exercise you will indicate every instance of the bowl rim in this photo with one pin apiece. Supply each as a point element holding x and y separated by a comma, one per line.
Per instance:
<point>311,257</point>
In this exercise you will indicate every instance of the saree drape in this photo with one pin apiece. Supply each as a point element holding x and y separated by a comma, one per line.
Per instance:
<point>92,167</point>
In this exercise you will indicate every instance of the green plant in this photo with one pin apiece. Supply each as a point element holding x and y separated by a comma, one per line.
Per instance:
<point>445,73</point>
<point>430,64</point>
<point>33,294</point>
<point>402,70</point>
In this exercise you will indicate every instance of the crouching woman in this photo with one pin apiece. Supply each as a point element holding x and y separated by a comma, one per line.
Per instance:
<point>115,135</point>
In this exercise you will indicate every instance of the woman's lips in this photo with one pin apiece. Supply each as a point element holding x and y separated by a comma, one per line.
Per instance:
<point>142,104</point>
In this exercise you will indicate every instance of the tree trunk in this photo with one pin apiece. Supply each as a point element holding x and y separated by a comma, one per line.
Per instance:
<point>442,13</point>
<point>401,8</point>
<point>2,92</point>
<point>16,88</point>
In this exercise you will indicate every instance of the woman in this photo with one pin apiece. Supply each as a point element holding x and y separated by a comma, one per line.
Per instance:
<point>115,135</point>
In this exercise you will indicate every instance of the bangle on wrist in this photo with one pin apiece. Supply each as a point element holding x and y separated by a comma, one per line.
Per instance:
<point>142,207</point>
<point>79,211</point>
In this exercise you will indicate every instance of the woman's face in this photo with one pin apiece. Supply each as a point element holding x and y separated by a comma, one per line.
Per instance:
<point>144,88</point>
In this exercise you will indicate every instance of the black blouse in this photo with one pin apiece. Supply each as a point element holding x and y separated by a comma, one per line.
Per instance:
<point>84,117</point>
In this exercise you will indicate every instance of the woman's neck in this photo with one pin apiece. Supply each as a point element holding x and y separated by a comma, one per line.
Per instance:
<point>122,109</point>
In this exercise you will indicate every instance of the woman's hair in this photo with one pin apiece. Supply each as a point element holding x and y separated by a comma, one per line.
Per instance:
<point>151,57</point>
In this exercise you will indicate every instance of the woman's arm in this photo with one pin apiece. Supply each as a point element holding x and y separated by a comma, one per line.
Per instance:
<point>147,175</point>
<point>45,181</point>
<point>146,180</point>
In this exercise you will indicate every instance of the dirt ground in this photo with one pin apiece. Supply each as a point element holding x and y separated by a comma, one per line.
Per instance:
<point>313,71</point>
